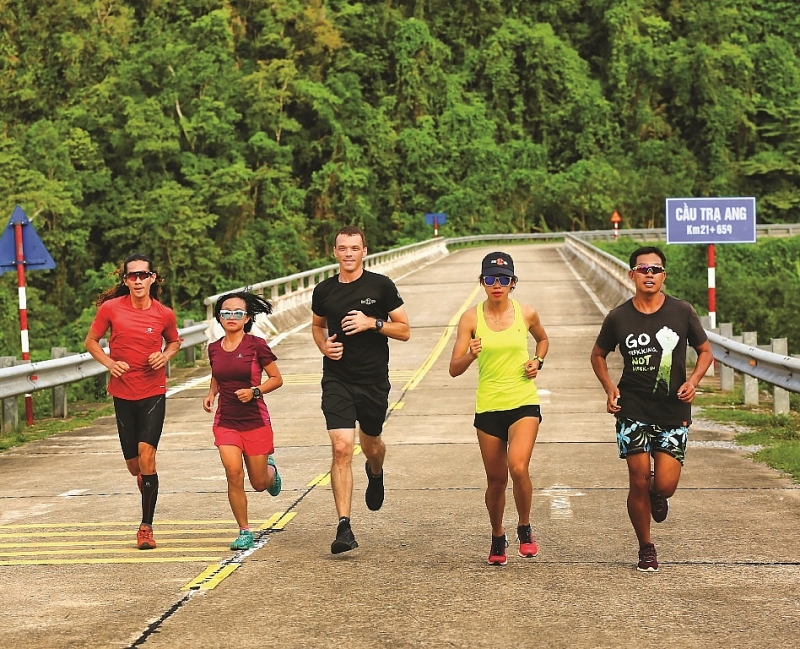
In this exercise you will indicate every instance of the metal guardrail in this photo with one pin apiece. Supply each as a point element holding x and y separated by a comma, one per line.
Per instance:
<point>775,369</point>
<point>29,377</point>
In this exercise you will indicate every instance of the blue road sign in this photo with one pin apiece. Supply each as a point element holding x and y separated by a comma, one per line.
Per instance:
<point>34,252</point>
<point>711,220</point>
<point>435,218</point>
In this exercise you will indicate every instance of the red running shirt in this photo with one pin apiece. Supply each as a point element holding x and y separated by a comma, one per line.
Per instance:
<point>135,334</point>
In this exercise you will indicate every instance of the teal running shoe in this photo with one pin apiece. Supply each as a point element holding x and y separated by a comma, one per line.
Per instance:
<point>244,541</point>
<point>275,489</point>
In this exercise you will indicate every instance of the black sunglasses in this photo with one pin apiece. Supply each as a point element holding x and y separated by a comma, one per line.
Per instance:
<point>138,274</point>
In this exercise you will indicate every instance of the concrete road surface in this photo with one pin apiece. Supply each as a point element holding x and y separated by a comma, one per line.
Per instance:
<point>70,575</point>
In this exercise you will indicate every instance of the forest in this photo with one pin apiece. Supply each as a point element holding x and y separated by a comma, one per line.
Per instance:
<point>231,139</point>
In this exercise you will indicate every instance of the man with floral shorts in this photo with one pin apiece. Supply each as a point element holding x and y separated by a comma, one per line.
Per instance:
<point>652,402</point>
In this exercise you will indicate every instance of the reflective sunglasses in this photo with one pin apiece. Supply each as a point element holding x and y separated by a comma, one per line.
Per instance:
<point>232,315</point>
<point>644,269</point>
<point>491,280</point>
<point>138,274</point>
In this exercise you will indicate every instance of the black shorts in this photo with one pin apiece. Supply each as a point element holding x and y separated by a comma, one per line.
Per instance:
<point>345,403</point>
<point>139,421</point>
<point>497,422</point>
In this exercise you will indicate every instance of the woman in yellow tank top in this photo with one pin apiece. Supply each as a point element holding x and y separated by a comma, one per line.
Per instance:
<point>507,414</point>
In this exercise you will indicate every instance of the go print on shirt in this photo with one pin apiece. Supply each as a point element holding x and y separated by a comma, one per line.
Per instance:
<point>643,354</point>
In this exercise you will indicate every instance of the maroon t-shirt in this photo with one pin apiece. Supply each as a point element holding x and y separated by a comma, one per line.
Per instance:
<point>241,368</point>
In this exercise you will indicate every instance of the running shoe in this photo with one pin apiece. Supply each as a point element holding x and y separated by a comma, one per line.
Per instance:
<point>527,544</point>
<point>344,541</point>
<point>374,494</point>
<point>144,538</point>
<point>275,488</point>
<point>497,555</point>
<point>139,482</point>
<point>244,541</point>
<point>659,507</point>
<point>648,560</point>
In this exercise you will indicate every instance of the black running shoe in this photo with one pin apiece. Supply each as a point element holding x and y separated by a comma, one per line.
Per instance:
<point>344,541</point>
<point>648,559</point>
<point>659,507</point>
<point>374,494</point>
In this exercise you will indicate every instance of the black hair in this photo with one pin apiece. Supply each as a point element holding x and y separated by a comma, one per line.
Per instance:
<point>122,289</point>
<point>255,304</point>
<point>647,250</point>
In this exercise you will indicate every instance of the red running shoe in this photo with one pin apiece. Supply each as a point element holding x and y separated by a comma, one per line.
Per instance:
<point>527,544</point>
<point>144,538</point>
<point>497,555</point>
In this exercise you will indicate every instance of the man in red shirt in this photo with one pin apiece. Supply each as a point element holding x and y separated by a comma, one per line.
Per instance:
<point>139,325</point>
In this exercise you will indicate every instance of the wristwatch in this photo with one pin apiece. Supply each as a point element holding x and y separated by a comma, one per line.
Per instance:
<point>541,361</point>
<point>256,392</point>
<point>378,324</point>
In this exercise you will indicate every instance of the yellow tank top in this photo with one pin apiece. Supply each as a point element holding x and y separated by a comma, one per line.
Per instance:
<point>501,374</point>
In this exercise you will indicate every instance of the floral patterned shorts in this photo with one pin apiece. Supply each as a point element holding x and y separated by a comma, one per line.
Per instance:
<point>638,437</point>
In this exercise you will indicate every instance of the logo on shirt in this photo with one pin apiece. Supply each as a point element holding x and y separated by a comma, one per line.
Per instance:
<point>149,330</point>
<point>368,301</point>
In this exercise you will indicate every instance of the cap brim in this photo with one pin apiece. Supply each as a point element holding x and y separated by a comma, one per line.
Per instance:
<point>498,270</point>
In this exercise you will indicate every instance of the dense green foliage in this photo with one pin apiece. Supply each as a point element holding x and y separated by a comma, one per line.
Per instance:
<point>757,285</point>
<point>230,139</point>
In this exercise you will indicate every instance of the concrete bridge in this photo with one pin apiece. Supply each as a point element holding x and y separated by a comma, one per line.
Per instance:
<point>70,575</point>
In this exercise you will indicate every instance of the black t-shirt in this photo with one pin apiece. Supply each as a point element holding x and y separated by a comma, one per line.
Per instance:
<point>366,354</point>
<point>653,347</point>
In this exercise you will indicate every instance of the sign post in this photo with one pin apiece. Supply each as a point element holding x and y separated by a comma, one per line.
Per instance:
<point>711,221</point>
<point>20,246</point>
<point>616,220</point>
<point>435,219</point>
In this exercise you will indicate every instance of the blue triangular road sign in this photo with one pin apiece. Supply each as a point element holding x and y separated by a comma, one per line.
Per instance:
<point>34,252</point>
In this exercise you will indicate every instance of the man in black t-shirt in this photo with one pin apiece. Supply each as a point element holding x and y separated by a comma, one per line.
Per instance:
<point>652,402</point>
<point>354,314</point>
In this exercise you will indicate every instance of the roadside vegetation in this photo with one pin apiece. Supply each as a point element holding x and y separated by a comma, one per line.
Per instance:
<point>777,435</point>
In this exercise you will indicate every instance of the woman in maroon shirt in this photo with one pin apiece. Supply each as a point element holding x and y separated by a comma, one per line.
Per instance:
<point>242,427</point>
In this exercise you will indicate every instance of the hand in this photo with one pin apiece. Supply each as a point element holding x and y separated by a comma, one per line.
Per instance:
<point>531,369</point>
<point>157,360</point>
<point>355,322</point>
<point>244,395</point>
<point>475,346</point>
<point>612,404</point>
<point>119,368</point>
<point>333,350</point>
<point>208,402</point>
<point>687,392</point>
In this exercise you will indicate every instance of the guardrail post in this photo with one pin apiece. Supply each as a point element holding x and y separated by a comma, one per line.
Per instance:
<point>750,383</point>
<point>726,374</point>
<point>10,418</point>
<point>59,393</point>
<point>780,397</point>
<point>190,353</point>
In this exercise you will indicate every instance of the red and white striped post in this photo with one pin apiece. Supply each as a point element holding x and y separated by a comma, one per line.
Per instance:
<point>23,312</point>
<point>712,287</point>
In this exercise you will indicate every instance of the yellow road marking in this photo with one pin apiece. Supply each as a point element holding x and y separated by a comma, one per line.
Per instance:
<point>284,520</point>
<point>211,577</point>
<point>101,533</point>
<point>131,550</point>
<point>42,526</point>
<point>317,480</point>
<point>443,340</point>
<point>143,559</point>
<point>396,405</point>
<point>106,542</point>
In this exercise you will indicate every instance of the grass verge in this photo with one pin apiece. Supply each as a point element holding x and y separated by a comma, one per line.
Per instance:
<point>83,415</point>
<point>778,435</point>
